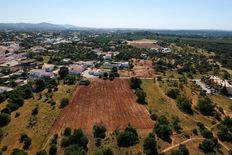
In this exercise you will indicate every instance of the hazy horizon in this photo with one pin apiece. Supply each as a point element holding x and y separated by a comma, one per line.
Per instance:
<point>125,14</point>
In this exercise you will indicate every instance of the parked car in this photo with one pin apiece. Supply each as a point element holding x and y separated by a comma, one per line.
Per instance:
<point>84,82</point>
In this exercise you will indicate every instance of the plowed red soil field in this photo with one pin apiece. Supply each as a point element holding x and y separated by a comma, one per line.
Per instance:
<point>109,102</point>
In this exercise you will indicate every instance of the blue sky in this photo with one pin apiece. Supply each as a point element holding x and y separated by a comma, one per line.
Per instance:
<point>155,14</point>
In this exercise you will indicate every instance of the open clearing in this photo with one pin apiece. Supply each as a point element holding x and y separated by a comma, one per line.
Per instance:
<point>110,102</point>
<point>142,68</point>
<point>144,43</point>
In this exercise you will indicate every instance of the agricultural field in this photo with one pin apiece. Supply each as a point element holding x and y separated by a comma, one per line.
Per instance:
<point>110,102</point>
<point>144,43</point>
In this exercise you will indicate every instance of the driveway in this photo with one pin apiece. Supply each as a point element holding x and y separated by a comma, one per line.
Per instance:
<point>202,85</point>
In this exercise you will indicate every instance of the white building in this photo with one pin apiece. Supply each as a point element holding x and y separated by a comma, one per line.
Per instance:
<point>219,83</point>
<point>48,67</point>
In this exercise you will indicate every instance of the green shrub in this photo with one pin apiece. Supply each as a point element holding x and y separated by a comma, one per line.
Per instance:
<point>184,104</point>
<point>99,131</point>
<point>18,152</point>
<point>103,150</point>
<point>2,97</point>
<point>74,150</point>
<point>4,119</point>
<point>6,110</point>
<point>67,131</point>
<point>27,143</point>
<point>64,102</point>
<point>135,83</point>
<point>207,146</point>
<point>173,93</point>
<point>150,145</point>
<point>141,96</point>
<point>42,152</point>
<point>53,149</point>
<point>127,138</point>
<point>35,111</point>
<point>12,106</point>
<point>23,136</point>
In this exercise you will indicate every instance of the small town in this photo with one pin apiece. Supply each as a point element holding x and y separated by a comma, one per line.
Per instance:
<point>114,77</point>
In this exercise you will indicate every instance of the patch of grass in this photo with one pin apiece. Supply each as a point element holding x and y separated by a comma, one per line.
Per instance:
<point>162,100</point>
<point>222,101</point>
<point>46,59</point>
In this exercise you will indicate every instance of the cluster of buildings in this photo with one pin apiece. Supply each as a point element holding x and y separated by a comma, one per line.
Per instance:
<point>46,71</point>
<point>13,60</point>
<point>16,60</point>
<point>219,84</point>
<point>79,67</point>
<point>7,52</point>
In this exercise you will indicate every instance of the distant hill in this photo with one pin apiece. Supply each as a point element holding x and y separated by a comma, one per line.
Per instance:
<point>39,26</point>
<point>54,27</point>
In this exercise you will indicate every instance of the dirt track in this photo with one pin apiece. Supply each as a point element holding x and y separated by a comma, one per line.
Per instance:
<point>110,102</point>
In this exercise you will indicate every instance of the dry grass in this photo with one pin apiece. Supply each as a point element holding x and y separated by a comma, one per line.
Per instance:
<point>161,104</point>
<point>196,117</point>
<point>45,120</point>
<point>222,101</point>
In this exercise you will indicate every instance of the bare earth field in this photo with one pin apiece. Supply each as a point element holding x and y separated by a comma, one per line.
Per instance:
<point>142,68</point>
<point>110,102</point>
<point>144,43</point>
<point>124,73</point>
